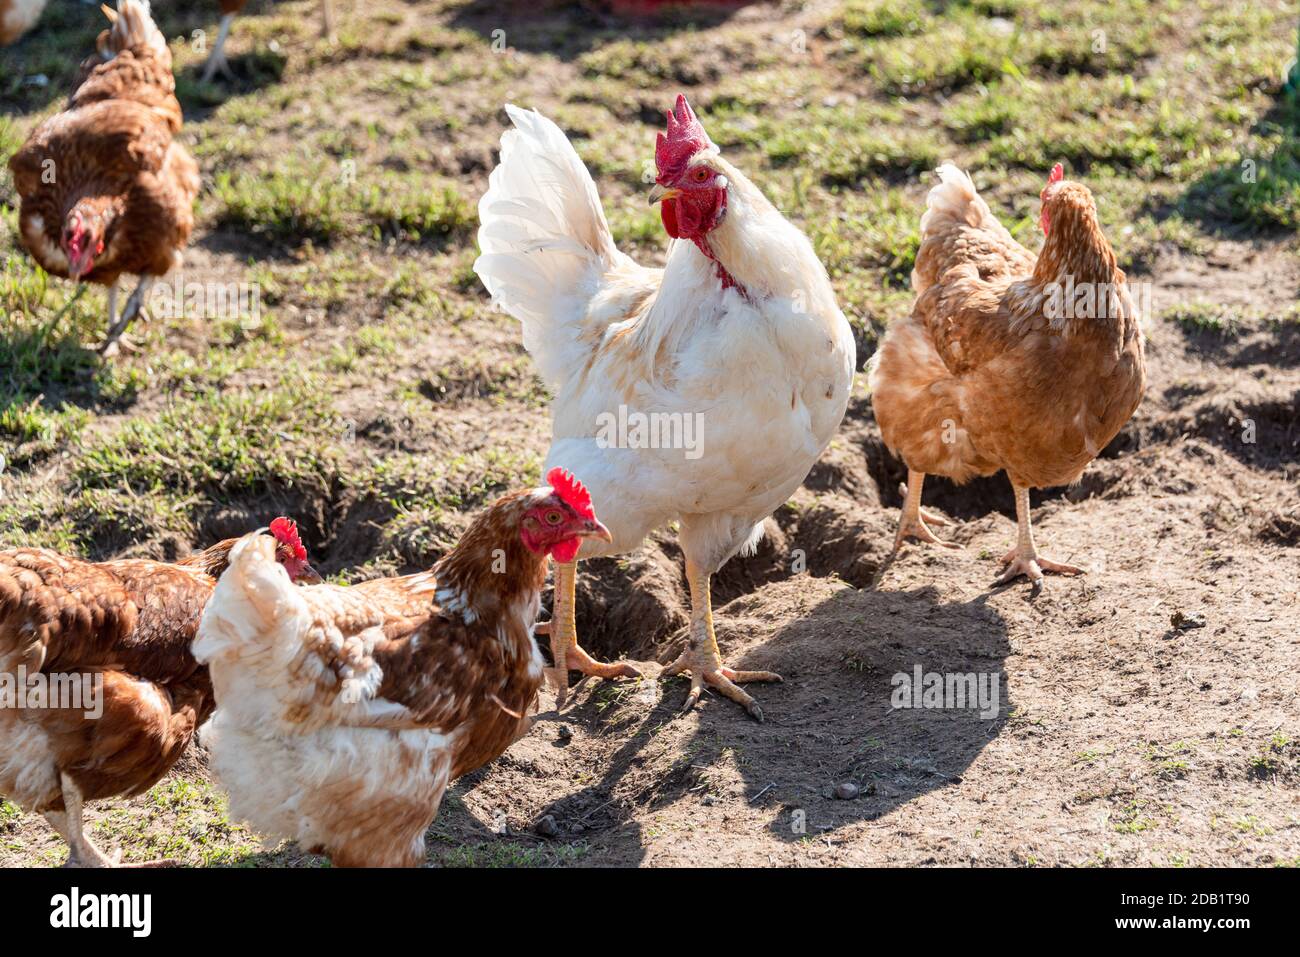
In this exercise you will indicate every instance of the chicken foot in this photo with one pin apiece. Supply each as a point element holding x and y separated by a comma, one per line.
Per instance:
<point>1024,558</point>
<point>563,629</point>
<point>702,658</point>
<point>914,520</point>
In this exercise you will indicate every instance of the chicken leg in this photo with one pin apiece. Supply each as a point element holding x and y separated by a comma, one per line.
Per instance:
<point>133,306</point>
<point>563,628</point>
<point>1024,558</point>
<point>217,62</point>
<point>71,827</point>
<point>702,658</point>
<point>912,521</point>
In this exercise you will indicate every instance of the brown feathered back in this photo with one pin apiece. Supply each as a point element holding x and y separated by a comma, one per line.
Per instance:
<point>127,624</point>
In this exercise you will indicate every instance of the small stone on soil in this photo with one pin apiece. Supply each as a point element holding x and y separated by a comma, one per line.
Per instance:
<point>846,791</point>
<point>1187,622</point>
<point>546,826</point>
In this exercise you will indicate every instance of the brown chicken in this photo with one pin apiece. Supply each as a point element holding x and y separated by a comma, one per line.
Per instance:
<point>346,711</point>
<point>115,638</point>
<point>105,189</point>
<point>217,62</point>
<point>17,17</point>
<point>1008,361</point>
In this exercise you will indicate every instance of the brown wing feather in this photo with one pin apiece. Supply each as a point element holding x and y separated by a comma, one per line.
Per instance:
<point>131,623</point>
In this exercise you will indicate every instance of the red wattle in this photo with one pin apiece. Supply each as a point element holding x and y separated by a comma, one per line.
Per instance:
<point>668,210</point>
<point>565,551</point>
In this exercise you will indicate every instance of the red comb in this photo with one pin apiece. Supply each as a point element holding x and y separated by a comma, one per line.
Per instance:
<point>685,138</point>
<point>286,531</point>
<point>1056,175</point>
<point>571,491</point>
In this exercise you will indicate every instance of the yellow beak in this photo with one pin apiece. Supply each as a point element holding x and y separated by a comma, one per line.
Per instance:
<point>596,529</point>
<point>660,193</point>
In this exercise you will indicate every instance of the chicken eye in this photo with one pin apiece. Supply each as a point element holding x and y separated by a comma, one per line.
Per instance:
<point>554,518</point>
<point>700,174</point>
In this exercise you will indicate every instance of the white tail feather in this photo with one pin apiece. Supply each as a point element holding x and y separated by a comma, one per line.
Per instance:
<point>246,612</point>
<point>544,240</point>
<point>134,28</point>
<point>953,200</point>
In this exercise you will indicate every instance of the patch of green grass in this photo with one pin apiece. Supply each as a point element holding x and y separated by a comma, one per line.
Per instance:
<point>11,816</point>
<point>178,818</point>
<point>1273,759</point>
<point>883,18</point>
<point>510,854</point>
<point>415,210</point>
<point>967,47</point>
<point>675,61</point>
<point>289,207</point>
<point>294,205</point>
<point>1262,188</point>
<point>43,332</point>
<point>1251,824</point>
<point>1171,760</point>
<point>1204,317</point>
<point>877,229</point>
<point>280,436</point>
<point>1130,819</point>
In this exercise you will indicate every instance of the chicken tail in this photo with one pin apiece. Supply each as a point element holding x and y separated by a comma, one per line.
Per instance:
<point>544,240</point>
<point>253,602</point>
<point>133,29</point>
<point>953,203</point>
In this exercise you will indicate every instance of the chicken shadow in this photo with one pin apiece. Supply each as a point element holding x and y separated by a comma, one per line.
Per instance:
<point>833,750</point>
<point>566,29</point>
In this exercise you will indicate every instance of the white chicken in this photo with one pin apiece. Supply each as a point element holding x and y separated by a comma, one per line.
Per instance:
<point>700,393</point>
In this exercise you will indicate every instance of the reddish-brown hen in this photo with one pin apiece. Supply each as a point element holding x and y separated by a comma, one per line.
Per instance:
<point>1008,361</point>
<point>106,191</point>
<point>346,711</point>
<point>115,636</point>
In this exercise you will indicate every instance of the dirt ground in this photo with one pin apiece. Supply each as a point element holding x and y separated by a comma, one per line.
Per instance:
<point>1120,739</point>
<point>1149,711</point>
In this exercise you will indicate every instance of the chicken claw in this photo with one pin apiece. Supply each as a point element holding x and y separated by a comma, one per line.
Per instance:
<point>705,668</point>
<point>1032,565</point>
<point>912,523</point>
<point>1024,558</point>
<point>702,658</point>
<point>565,650</point>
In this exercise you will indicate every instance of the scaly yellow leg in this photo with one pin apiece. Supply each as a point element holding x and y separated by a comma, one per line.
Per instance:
<point>563,628</point>
<point>702,658</point>
<point>912,521</point>
<point>1024,558</point>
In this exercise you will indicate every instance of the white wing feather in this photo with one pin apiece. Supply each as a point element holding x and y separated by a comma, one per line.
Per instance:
<point>544,240</point>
